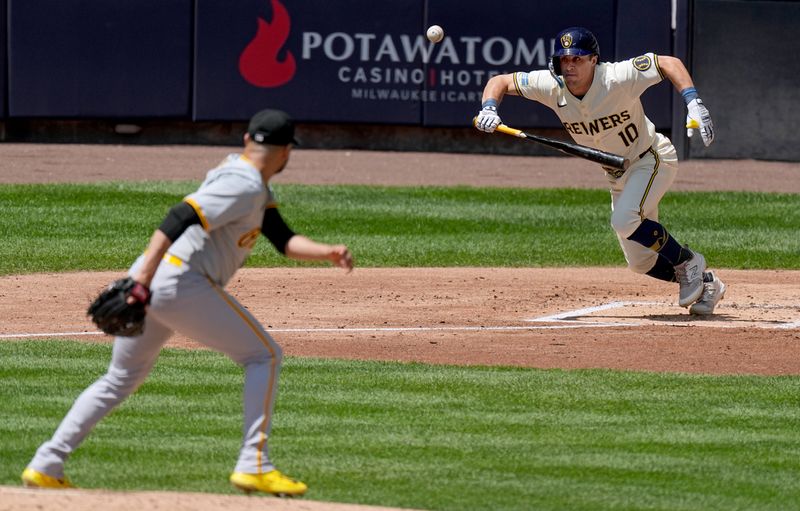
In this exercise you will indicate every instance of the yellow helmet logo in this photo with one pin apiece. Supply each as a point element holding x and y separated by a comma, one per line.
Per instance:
<point>566,40</point>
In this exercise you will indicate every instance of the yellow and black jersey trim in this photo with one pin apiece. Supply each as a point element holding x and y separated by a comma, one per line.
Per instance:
<point>516,84</point>
<point>180,217</point>
<point>197,209</point>
<point>275,229</point>
<point>658,68</point>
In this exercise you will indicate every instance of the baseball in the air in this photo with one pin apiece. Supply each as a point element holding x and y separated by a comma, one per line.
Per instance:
<point>435,33</point>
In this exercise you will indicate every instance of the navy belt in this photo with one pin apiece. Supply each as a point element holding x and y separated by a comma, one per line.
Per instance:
<point>617,173</point>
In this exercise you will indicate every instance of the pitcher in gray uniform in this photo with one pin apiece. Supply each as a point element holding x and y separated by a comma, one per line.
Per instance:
<point>190,258</point>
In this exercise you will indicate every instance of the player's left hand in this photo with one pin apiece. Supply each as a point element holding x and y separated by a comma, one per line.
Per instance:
<point>699,118</point>
<point>120,308</point>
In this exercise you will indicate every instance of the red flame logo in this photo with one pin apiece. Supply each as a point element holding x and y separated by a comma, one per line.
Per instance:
<point>259,63</point>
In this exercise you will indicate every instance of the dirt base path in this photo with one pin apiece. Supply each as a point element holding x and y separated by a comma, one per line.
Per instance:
<point>58,163</point>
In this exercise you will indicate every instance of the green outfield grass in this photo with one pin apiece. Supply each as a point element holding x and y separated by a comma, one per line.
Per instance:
<point>105,226</point>
<point>429,437</point>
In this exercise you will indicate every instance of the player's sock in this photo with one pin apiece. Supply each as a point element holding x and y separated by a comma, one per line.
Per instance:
<point>662,270</point>
<point>654,236</point>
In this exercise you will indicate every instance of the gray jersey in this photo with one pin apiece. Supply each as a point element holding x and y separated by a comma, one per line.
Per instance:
<point>230,203</point>
<point>610,116</point>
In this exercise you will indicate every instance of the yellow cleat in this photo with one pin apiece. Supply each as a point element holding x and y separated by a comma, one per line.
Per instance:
<point>34,479</point>
<point>272,482</point>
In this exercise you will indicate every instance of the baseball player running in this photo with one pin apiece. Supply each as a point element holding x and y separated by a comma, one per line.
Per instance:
<point>598,104</point>
<point>191,256</point>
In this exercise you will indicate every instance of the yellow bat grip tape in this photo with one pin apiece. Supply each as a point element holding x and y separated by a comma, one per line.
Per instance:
<point>510,131</point>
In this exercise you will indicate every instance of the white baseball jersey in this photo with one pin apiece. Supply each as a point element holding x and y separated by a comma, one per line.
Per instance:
<point>230,203</point>
<point>610,116</point>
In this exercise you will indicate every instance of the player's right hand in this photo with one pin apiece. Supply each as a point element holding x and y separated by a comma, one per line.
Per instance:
<point>341,256</point>
<point>487,119</point>
<point>699,118</point>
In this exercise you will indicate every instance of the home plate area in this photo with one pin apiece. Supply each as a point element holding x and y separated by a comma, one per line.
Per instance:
<point>643,313</point>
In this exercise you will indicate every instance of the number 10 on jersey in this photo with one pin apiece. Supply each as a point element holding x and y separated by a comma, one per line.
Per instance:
<point>629,134</point>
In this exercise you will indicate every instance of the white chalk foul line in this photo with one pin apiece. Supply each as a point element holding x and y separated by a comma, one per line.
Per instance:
<point>563,318</point>
<point>362,329</point>
<point>572,315</point>
<point>437,328</point>
<point>589,310</point>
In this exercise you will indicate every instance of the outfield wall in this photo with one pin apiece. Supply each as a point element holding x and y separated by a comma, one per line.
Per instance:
<point>743,55</point>
<point>349,71</point>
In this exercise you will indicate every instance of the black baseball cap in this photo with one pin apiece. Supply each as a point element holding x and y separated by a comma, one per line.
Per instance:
<point>272,127</point>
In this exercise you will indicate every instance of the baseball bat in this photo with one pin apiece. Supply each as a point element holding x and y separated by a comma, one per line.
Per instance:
<point>581,151</point>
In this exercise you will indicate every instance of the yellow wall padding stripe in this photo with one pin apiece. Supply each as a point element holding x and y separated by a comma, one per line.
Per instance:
<point>197,209</point>
<point>272,366</point>
<point>649,183</point>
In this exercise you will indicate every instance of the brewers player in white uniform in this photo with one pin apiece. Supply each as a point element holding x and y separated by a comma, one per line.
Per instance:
<point>598,104</point>
<point>191,256</point>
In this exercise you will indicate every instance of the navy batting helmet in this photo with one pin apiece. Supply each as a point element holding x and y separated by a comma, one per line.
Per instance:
<point>574,41</point>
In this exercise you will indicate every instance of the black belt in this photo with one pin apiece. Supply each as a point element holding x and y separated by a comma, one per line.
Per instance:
<point>617,173</point>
